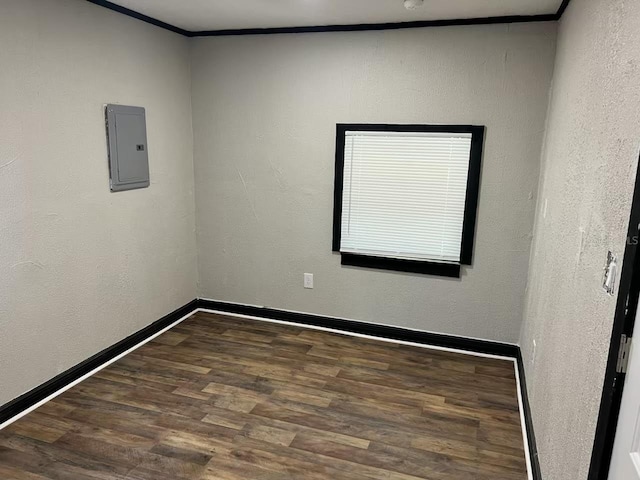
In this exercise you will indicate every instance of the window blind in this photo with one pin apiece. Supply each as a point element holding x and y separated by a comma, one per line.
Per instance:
<point>404,194</point>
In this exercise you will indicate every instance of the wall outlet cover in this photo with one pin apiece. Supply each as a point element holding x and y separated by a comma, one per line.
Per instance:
<point>308,280</point>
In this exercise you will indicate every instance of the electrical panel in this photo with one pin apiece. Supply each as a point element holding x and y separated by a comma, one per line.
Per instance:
<point>127,141</point>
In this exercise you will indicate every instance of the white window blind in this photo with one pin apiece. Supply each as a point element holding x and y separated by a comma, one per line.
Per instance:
<point>404,194</point>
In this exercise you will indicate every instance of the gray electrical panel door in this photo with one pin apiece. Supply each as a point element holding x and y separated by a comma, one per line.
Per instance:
<point>127,139</point>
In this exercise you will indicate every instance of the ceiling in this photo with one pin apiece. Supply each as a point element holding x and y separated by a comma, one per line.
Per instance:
<point>201,15</point>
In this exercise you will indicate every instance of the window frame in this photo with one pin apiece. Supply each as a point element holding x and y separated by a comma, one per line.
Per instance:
<point>445,269</point>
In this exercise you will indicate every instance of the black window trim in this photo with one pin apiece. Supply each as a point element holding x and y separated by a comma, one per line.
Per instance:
<point>470,210</point>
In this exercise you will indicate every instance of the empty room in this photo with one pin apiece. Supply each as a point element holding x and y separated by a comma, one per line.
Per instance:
<point>319,239</point>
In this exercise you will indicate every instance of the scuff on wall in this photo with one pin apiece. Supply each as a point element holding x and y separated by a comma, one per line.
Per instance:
<point>29,263</point>
<point>4,165</point>
<point>247,195</point>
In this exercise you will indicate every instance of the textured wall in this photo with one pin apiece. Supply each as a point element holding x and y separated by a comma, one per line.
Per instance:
<point>588,170</point>
<point>80,267</point>
<point>265,109</point>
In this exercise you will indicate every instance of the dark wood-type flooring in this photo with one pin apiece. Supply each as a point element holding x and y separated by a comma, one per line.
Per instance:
<point>226,398</point>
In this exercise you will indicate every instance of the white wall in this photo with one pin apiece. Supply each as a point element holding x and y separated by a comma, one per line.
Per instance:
<point>80,267</point>
<point>265,109</point>
<point>589,166</point>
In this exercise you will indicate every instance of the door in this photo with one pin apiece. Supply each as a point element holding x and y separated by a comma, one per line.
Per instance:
<point>625,461</point>
<point>618,425</point>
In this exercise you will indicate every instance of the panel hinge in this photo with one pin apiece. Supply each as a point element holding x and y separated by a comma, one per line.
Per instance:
<point>623,354</point>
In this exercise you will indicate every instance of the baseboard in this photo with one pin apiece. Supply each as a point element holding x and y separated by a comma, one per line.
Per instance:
<point>471,345</point>
<point>365,328</point>
<point>59,382</point>
<point>528,419</point>
<point>21,405</point>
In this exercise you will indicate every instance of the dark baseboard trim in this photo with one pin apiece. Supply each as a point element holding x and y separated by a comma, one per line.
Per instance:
<point>550,17</point>
<point>528,420</point>
<point>471,345</point>
<point>365,328</point>
<point>41,392</point>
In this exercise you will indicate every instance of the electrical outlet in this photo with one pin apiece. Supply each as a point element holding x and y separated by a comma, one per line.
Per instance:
<point>308,280</point>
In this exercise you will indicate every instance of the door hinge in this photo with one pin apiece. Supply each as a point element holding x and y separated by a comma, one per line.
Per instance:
<point>623,354</point>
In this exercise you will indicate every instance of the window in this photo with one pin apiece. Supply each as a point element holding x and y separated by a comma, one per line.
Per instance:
<point>406,196</point>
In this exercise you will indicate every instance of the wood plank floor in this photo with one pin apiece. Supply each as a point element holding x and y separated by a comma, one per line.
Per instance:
<point>226,398</point>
